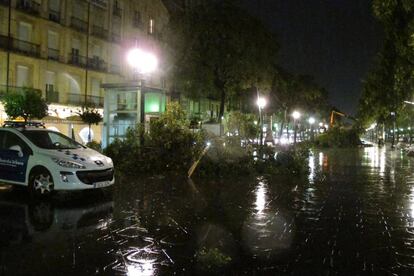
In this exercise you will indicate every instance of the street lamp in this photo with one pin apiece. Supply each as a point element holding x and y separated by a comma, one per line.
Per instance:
<point>296,115</point>
<point>143,63</point>
<point>311,121</point>
<point>261,103</point>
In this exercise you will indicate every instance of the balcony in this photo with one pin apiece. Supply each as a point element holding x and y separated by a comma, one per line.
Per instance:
<point>117,11</point>
<point>77,60</point>
<point>52,96</point>
<point>116,37</point>
<point>97,64</point>
<point>78,24</point>
<point>53,54</point>
<point>75,99</point>
<point>96,101</point>
<point>4,2</point>
<point>99,32</point>
<point>54,16</point>
<point>28,6</point>
<point>25,47</point>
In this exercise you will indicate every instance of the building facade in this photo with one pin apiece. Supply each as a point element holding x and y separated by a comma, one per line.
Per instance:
<point>68,48</point>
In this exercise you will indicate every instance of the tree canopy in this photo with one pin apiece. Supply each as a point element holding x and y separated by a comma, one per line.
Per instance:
<point>26,103</point>
<point>391,81</point>
<point>220,49</point>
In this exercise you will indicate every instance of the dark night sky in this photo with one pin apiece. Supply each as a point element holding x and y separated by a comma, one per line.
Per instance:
<point>333,40</point>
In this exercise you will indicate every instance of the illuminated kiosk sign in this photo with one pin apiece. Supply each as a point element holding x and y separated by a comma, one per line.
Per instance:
<point>124,108</point>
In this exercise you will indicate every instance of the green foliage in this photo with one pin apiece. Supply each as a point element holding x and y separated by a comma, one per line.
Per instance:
<point>90,115</point>
<point>242,125</point>
<point>339,137</point>
<point>168,146</point>
<point>212,258</point>
<point>26,103</point>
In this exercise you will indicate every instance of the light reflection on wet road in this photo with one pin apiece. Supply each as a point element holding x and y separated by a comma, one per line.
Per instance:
<point>353,214</point>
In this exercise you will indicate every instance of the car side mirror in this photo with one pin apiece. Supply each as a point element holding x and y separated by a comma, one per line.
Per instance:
<point>18,149</point>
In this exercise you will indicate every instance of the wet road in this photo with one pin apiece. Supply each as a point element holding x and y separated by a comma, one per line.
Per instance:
<point>353,215</point>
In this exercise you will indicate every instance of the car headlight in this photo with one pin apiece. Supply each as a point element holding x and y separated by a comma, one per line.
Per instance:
<point>68,164</point>
<point>109,161</point>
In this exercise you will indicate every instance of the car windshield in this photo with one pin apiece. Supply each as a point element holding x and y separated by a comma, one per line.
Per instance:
<point>50,140</point>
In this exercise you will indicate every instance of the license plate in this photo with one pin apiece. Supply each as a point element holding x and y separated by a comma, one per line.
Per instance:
<point>101,184</point>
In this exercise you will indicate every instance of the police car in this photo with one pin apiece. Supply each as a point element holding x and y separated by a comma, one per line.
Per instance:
<point>45,160</point>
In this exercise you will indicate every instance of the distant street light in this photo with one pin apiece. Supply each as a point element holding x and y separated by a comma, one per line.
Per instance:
<point>296,115</point>
<point>261,103</point>
<point>311,121</point>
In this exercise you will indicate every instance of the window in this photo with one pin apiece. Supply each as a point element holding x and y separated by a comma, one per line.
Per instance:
<point>8,139</point>
<point>50,80</point>
<point>52,40</point>
<point>54,5</point>
<point>22,78</point>
<point>25,31</point>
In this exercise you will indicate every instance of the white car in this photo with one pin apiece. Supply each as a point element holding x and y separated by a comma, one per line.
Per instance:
<point>45,160</point>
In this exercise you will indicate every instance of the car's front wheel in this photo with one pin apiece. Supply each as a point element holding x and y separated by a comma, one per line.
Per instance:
<point>41,183</point>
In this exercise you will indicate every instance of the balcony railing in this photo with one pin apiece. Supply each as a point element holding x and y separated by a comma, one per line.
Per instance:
<point>117,11</point>
<point>54,16</point>
<point>99,32</point>
<point>53,54</point>
<point>116,37</point>
<point>96,101</point>
<point>28,6</point>
<point>4,2</point>
<point>75,99</point>
<point>17,89</point>
<point>52,96</point>
<point>78,24</point>
<point>97,64</point>
<point>77,60</point>
<point>25,47</point>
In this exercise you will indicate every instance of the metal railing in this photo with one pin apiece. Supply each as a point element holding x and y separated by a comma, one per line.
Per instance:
<point>78,24</point>
<point>100,32</point>
<point>75,99</point>
<point>25,47</point>
<point>77,60</point>
<point>54,16</point>
<point>96,101</point>
<point>53,54</point>
<point>52,96</point>
<point>28,6</point>
<point>97,64</point>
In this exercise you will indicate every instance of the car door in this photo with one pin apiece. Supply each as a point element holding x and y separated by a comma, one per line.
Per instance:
<point>13,164</point>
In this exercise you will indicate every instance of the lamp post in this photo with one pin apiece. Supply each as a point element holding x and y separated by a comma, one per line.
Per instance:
<point>296,115</point>
<point>261,103</point>
<point>143,63</point>
<point>311,121</point>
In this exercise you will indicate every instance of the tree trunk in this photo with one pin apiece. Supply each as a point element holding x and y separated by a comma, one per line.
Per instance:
<point>222,103</point>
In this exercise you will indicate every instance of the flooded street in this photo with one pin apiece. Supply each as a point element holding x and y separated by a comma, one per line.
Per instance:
<point>353,214</point>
